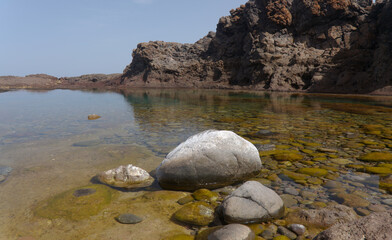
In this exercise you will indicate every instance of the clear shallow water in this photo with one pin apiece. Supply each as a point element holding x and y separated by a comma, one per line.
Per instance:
<point>52,147</point>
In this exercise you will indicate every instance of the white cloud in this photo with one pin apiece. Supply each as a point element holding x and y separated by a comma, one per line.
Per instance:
<point>142,1</point>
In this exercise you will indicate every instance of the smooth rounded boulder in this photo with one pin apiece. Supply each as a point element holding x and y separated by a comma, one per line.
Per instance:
<point>232,232</point>
<point>210,159</point>
<point>252,202</point>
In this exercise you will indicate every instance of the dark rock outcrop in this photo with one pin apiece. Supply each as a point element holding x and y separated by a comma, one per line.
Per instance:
<point>341,46</point>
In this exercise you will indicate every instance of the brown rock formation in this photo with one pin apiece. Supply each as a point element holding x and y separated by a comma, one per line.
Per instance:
<point>341,46</point>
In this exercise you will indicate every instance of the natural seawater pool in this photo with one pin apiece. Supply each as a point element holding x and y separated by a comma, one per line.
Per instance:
<point>52,148</point>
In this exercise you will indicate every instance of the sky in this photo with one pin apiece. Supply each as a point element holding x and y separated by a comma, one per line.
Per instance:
<point>75,37</point>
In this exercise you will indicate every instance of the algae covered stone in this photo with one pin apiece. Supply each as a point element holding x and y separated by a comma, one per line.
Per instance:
<point>210,159</point>
<point>197,213</point>
<point>288,156</point>
<point>73,207</point>
<point>315,172</point>
<point>205,195</point>
<point>377,157</point>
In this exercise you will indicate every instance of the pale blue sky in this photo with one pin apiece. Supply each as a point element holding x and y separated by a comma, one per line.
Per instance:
<point>74,37</point>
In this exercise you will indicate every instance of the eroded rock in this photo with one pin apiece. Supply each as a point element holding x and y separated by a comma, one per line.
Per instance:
<point>128,176</point>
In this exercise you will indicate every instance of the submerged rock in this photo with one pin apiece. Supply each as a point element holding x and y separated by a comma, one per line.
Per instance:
<point>4,172</point>
<point>84,192</point>
<point>128,218</point>
<point>128,176</point>
<point>233,232</point>
<point>210,159</point>
<point>252,202</point>
<point>377,157</point>
<point>198,213</point>
<point>93,117</point>
<point>67,205</point>
<point>376,226</point>
<point>324,217</point>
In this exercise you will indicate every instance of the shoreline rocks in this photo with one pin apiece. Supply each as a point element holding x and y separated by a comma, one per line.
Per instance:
<point>210,159</point>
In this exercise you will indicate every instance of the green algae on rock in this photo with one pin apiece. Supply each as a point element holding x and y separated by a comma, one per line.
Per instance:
<point>205,195</point>
<point>67,205</point>
<point>377,157</point>
<point>179,237</point>
<point>288,156</point>
<point>378,170</point>
<point>351,200</point>
<point>197,213</point>
<point>315,172</point>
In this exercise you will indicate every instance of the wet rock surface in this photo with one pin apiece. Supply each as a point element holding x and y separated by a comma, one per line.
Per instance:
<point>232,232</point>
<point>210,159</point>
<point>128,218</point>
<point>252,202</point>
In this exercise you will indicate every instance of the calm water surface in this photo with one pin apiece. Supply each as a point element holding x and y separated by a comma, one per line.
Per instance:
<point>50,145</point>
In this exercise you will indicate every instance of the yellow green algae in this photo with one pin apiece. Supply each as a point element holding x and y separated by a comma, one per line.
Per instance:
<point>377,157</point>
<point>67,205</point>
<point>197,213</point>
<point>205,195</point>
<point>315,172</point>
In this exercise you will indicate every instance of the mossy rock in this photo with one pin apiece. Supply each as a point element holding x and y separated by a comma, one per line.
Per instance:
<point>377,157</point>
<point>386,165</point>
<point>185,200</point>
<point>308,151</point>
<point>164,195</point>
<point>179,237</point>
<point>315,181</point>
<point>310,144</point>
<point>295,176</point>
<point>257,228</point>
<point>356,166</point>
<point>351,200</point>
<point>341,161</point>
<point>197,213</point>
<point>292,156</point>
<point>203,235</point>
<point>205,195</point>
<point>314,172</point>
<point>378,170</point>
<point>281,237</point>
<point>70,206</point>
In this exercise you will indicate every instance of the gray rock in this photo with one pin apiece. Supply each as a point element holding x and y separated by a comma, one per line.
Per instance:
<point>128,176</point>
<point>376,226</point>
<point>291,190</point>
<point>265,147</point>
<point>5,170</point>
<point>284,231</point>
<point>268,234</point>
<point>324,217</point>
<point>252,202</point>
<point>210,159</point>
<point>298,229</point>
<point>84,192</point>
<point>232,232</point>
<point>128,218</point>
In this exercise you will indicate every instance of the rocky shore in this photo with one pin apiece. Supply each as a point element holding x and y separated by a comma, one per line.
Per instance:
<point>334,46</point>
<point>239,204</point>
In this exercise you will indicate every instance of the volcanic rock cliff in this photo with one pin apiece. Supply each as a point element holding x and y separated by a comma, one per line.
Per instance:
<point>341,46</point>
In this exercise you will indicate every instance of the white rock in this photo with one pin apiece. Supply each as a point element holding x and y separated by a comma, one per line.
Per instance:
<point>128,176</point>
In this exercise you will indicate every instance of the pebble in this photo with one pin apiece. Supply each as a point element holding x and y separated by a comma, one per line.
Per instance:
<point>291,190</point>
<point>298,229</point>
<point>84,192</point>
<point>128,219</point>
<point>284,231</point>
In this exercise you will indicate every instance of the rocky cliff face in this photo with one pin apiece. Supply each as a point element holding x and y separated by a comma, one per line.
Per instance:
<point>341,46</point>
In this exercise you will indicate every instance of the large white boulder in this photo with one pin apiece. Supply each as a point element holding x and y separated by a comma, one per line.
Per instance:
<point>210,159</point>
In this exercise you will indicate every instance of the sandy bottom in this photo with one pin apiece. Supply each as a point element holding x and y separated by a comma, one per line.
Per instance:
<point>43,169</point>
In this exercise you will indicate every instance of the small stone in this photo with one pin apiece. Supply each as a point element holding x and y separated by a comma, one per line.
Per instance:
<point>377,157</point>
<point>265,147</point>
<point>327,150</point>
<point>232,232</point>
<point>286,232</point>
<point>387,201</point>
<point>351,200</point>
<point>298,229</point>
<point>268,234</point>
<point>377,208</point>
<point>93,117</point>
<point>197,213</point>
<point>84,192</point>
<point>291,190</point>
<point>281,237</point>
<point>315,172</point>
<point>257,228</point>
<point>128,219</point>
<point>205,195</point>
<point>185,200</point>
<point>289,200</point>
<point>341,161</point>
<point>362,211</point>
<point>308,195</point>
